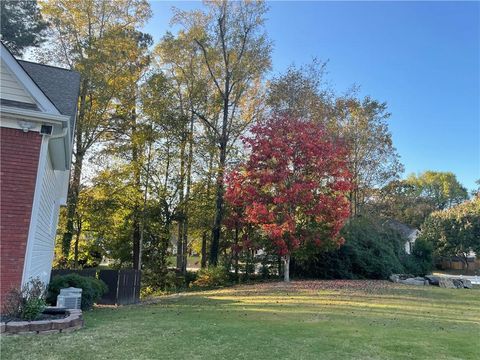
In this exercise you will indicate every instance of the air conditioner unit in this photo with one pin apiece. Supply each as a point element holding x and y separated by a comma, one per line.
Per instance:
<point>70,298</point>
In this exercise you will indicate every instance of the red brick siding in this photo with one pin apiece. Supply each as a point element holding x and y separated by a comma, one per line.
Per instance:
<point>19,153</point>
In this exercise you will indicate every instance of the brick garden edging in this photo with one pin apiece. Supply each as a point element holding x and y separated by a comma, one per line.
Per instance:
<point>74,321</point>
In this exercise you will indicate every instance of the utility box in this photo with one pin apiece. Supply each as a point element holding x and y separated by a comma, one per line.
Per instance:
<point>70,298</point>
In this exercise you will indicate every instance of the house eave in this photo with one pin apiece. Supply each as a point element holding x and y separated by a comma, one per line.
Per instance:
<point>31,120</point>
<point>32,115</point>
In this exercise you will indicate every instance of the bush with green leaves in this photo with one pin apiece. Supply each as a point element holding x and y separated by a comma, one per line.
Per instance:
<point>420,261</point>
<point>26,303</point>
<point>173,281</point>
<point>371,251</point>
<point>211,277</point>
<point>190,278</point>
<point>92,289</point>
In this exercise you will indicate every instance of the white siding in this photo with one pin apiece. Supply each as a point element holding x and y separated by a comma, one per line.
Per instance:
<point>42,248</point>
<point>10,88</point>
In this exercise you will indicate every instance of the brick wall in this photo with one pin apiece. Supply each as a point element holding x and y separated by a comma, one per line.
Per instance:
<point>19,154</point>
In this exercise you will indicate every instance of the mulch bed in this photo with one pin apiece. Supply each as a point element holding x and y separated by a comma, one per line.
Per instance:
<point>6,318</point>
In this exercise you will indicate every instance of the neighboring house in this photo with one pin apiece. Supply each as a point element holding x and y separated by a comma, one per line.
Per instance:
<point>38,104</point>
<point>407,232</point>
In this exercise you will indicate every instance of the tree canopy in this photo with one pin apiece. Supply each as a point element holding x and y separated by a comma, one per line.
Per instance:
<point>413,199</point>
<point>454,231</point>
<point>159,171</point>
<point>293,185</point>
<point>441,188</point>
<point>22,25</point>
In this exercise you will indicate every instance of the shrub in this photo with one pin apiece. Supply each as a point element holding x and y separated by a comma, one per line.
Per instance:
<point>33,307</point>
<point>211,277</point>
<point>420,262</point>
<point>157,279</point>
<point>371,251</point>
<point>26,303</point>
<point>171,281</point>
<point>92,288</point>
<point>147,291</point>
<point>190,278</point>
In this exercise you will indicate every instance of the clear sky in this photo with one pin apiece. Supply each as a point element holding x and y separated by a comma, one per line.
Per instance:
<point>422,58</point>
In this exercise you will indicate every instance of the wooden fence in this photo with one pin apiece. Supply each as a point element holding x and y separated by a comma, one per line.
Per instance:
<point>123,285</point>
<point>455,263</point>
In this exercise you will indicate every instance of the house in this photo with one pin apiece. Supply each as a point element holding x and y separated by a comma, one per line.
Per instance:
<point>38,106</point>
<point>409,233</point>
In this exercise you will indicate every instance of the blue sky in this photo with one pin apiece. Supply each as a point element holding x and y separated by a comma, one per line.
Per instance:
<point>422,58</point>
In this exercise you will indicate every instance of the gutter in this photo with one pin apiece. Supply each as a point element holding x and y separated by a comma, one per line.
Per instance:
<point>27,119</point>
<point>65,135</point>
<point>32,115</point>
<point>60,135</point>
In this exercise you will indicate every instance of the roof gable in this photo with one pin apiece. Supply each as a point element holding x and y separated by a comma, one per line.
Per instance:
<point>11,89</point>
<point>23,78</point>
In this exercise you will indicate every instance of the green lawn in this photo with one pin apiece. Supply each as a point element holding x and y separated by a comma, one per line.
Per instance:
<point>301,320</point>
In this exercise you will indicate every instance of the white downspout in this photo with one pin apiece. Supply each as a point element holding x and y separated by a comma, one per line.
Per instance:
<point>60,135</point>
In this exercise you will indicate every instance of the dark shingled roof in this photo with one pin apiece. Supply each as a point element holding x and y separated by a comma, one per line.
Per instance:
<point>402,228</point>
<point>61,86</point>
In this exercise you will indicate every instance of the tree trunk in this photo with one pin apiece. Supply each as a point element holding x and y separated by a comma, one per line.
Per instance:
<point>179,244</point>
<point>207,195</point>
<point>181,207</point>
<point>136,238</point>
<point>203,263</point>
<point>187,197</point>
<point>286,268</point>
<point>236,251</point>
<point>73,193</point>
<point>217,225</point>
<point>74,186</point>
<point>279,266</point>
<point>465,259</point>
<point>137,208</point>
<point>77,240</point>
<point>144,207</point>
<point>216,231</point>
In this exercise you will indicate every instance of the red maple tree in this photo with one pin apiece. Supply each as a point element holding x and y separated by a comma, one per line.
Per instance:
<point>293,186</point>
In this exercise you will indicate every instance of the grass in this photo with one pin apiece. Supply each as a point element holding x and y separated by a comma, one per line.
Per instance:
<point>300,320</point>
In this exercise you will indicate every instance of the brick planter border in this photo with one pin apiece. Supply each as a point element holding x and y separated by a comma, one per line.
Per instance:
<point>74,321</point>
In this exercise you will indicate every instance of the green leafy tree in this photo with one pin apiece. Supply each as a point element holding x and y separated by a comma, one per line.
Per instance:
<point>87,41</point>
<point>373,160</point>
<point>454,231</point>
<point>182,64</point>
<point>400,200</point>
<point>235,52</point>
<point>302,92</point>
<point>128,140</point>
<point>441,188</point>
<point>412,200</point>
<point>22,25</point>
<point>476,192</point>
